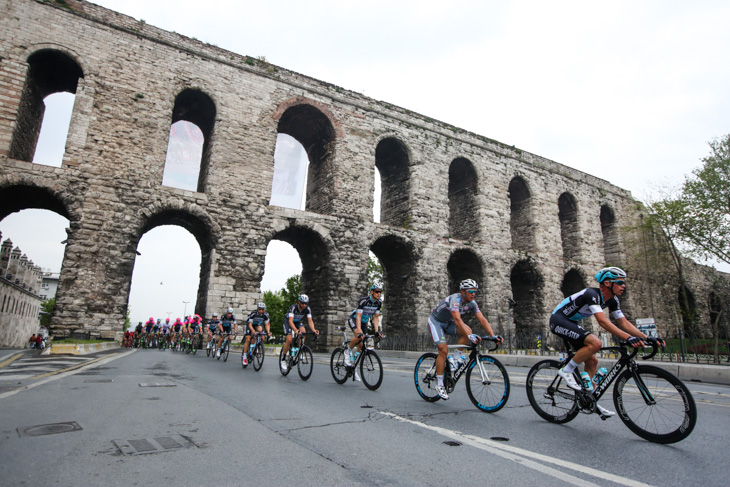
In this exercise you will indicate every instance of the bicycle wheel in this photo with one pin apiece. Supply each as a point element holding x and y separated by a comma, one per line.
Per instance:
<point>337,366</point>
<point>371,370</point>
<point>425,377</point>
<point>306,363</point>
<point>287,360</point>
<point>194,345</point>
<point>226,350</point>
<point>490,393</point>
<point>209,349</point>
<point>549,396</point>
<point>258,356</point>
<point>669,418</point>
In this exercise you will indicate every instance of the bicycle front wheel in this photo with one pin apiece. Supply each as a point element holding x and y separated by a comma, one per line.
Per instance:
<point>425,377</point>
<point>284,362</point>
<point>226,350</point>
<point>549,396</point>
<point>490,392</point>
<point>371,370</point>
<point>208,349</point>
<point>258,356</point>
<point>655,404</point>
<point>306,363</point>
<point>337,366</point>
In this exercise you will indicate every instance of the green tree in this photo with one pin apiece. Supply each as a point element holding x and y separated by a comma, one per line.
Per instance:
<point>47,306</point>
<point>375,271</point>
<point>278,302</point>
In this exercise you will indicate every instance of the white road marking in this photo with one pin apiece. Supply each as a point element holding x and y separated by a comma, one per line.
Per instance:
<point>525,457</point>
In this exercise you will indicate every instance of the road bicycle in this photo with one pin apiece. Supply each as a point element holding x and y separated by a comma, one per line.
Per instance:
<point>255,353</point>
<point>301,356</point>
<point>225,347</point>
<point>487,381</point>
<point>212,346</point>
<point>651,401</point>
<point>371,368</point>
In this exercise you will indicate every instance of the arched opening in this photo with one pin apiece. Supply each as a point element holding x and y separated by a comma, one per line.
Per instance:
<point>572,283</point>
<point>464,264</point>
<point>398,261</point>
<point>188,256</point>
<point>393,163</point>
<point>281,265</point>
<point>463,214</point>
<point>718,320</point>
<point>188,148</point>
<point>316,275</point>
<point>49,71</point>
<point>33,223</point>
<point>520,217</point>
<point>688,311</point>
<point>569,231</point>
<point>377,194</point>
<point>527,285</point>
<point>290,173</point>
<point>314,131</point>
<point>609,229</point>
<point>163,287</point>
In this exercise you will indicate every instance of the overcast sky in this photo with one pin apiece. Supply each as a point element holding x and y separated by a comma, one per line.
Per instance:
<point>628,91</point>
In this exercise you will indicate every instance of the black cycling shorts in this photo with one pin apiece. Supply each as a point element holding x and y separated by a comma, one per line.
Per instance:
<point>568,330</point>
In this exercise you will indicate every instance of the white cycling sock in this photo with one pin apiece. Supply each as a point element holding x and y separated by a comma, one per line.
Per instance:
<point>440,380</point>
<point>570,366</point>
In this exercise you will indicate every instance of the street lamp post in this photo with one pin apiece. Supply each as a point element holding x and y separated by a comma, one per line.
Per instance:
<point>185,313</point>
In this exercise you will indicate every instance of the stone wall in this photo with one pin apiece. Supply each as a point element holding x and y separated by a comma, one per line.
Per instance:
<point>454,204</point>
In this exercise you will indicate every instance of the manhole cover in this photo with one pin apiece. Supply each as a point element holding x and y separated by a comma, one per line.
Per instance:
<point>452,443</point>
<point>49,429</point>
<point>499,438</point>
<point>98,381</point>
<point>157,384</point>
<point>153,445</point>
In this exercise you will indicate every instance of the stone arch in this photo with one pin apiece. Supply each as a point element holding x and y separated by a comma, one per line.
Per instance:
<point>520,220</point>
<point>393,160</point>
<point>49,71</point>
<point>199,224</point>
<point>197,107</point>
<point>24,194</point>
<point>464,264</point>
<point>569,229</point>
<point>610,230</point>
<point>688,311</point>
<point>573,281</point>
<point>463,188</point>
<point>306,122</point>
<point>527,291</point>
<point>314,250</point>
<point>398,258</point>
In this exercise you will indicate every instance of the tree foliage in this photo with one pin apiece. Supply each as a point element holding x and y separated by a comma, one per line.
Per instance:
<point>697,217</point>
<point>47,305</point>
<point>278,302</point>
<point>375,272</point>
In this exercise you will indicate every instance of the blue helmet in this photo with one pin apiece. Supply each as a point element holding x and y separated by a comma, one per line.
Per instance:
<point>610,273</point>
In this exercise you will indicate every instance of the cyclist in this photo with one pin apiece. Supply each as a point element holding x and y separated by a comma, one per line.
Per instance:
<point>293,323</point>
<point>148,326</point>
<point>156,330</point>
<point>446,319</point>
<point>586,303</point>
<point>166,330</point>
<point>227,321</point>
<point>176,329</point>
<point>256,321</point>
<point>138,330</point>
<point>194,327</point>
<point>213,323</point>
<point>368,309</point>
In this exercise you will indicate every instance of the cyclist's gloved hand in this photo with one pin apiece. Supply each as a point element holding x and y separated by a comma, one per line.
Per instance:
<point>379,335</point>
<point>474,338</point>
<point>634,341</point>
<point>360,335</point>
<point>499,338</point>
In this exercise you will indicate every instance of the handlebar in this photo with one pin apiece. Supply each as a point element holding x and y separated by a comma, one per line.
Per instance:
<point>653,342</point>
<point>494,339</point>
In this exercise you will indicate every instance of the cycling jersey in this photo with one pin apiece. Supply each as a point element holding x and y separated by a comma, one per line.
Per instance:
<point>257,319</point>
<point>176,327</point>
<point>586,303</point>
<point>368,307</point>
<point>442,312</point>
<point>155,328</point>
<point>166,328</point>
<point>213,324</point>
<point>138,329</point>
<point>297,316</point>
<point>227,321</point>
<point>148,325</point>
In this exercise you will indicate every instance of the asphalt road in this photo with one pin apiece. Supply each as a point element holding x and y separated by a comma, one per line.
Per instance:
<point>222,425</point>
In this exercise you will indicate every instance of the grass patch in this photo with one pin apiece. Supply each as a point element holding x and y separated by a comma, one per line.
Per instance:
<point>76,341</point>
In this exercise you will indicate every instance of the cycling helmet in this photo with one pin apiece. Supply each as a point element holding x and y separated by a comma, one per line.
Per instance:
<point>468,284</point>
<point>609,273</point>
<point>261,305</point>
<point>376,286</point>
<point>177,320</point>
<point>167,320</point>
<point>229,310</point>
<point>303,298</point>
<point>215,315</point>
<point>151,319</point>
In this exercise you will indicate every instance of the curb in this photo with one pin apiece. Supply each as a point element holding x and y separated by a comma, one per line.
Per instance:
<point>76,349</point>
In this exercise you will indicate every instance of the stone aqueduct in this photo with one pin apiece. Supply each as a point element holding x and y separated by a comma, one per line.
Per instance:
<point>454,204</point>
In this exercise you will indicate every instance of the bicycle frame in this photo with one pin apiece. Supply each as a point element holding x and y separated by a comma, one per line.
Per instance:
<point>464,366</point>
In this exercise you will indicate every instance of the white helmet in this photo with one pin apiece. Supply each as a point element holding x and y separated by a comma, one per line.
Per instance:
<point>261,305</point>
<point>303,298</point>
<point>468,284</point>
<point>229,310</point>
